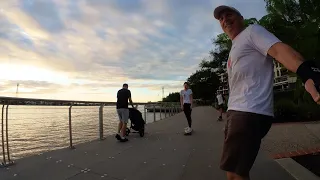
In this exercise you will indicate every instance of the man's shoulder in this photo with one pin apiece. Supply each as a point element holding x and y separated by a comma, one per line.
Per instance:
<point>124,91</point>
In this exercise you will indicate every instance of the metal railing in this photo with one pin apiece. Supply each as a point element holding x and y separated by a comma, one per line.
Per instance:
<point>165,109</point>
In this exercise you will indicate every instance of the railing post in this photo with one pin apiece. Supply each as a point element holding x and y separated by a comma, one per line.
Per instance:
<point>7,136</point>
<point>70,129</point>
<point>165,111</point>
<point>101,122</point>
<point>145,114</point>
<point>160,112</point>
<point>154,113</point>
<point>2,135</point>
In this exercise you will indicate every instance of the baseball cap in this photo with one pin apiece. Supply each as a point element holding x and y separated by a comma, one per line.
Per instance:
<point>217,11</point>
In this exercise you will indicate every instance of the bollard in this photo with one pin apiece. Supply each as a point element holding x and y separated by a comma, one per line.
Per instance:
<point>101,122</point>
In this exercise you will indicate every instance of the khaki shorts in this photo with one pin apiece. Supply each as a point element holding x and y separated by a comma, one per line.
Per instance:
<point>243,134</point>
<point>123,114</point>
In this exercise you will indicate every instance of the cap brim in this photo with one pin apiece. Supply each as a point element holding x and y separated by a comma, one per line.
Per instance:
<point>217,11</point>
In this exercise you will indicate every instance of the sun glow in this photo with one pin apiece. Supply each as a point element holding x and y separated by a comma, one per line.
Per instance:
<point>18,72</point>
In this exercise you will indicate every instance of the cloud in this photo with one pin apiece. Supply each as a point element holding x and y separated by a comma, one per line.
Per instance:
<point>112,41</point>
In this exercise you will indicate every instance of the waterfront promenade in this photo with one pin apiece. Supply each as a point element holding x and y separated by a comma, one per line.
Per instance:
<point>163,154</point>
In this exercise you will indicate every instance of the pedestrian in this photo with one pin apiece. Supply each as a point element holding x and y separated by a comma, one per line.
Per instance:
<point>250,75</point>
<point>123,96</point>
<point>220,101</point>
<point>186,100</point>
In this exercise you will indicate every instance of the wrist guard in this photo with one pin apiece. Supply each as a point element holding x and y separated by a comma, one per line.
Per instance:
<point>309,70</point>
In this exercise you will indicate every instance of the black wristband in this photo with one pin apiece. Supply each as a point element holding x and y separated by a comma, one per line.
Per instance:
<point>309,70</point>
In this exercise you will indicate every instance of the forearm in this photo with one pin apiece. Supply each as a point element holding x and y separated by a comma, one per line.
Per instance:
<point>287,56</point>
<point>131,103</point>
<point>181,101</point>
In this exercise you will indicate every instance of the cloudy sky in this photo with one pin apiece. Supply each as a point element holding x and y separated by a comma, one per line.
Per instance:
<point>86,49</point>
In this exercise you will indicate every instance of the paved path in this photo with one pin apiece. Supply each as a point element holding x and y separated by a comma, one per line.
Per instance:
<point>292,139</point>
<point>163,154</point>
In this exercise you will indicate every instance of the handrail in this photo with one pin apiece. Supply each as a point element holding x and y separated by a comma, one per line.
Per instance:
<point>168,108</point>
<point>57,102</point>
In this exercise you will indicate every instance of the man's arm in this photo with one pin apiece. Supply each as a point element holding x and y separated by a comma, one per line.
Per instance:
<point>191,98</point>
<point>267,43</point>
<point>293,61</point>
<point>181,99</point>
<point>286,55</point>
<point>130,100</point>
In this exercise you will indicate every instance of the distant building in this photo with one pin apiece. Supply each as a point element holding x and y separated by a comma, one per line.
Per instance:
<point>224,88</point>
<point>282,80</point>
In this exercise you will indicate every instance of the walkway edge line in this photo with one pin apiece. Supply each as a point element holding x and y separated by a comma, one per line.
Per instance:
<point>296,170</point>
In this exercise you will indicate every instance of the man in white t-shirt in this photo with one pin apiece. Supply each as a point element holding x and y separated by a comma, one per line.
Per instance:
<point>220,104</point>
<point>186,99</point>
<point>250,75</point>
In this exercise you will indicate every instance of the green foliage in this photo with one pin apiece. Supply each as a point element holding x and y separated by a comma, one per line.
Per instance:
<point>204,84</point>
<point>172,97</point>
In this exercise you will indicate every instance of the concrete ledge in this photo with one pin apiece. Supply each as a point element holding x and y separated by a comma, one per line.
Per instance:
<point>296,170</point>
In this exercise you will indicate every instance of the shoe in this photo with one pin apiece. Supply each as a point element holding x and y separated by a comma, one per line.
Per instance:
<point>188,130</point>
<point>124,140</point>
<point>118,137</point>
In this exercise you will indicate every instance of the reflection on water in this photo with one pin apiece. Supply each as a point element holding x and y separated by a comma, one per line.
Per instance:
<point>35,129</point>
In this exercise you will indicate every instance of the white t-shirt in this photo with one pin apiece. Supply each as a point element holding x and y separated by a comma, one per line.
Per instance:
<point>186,95</point>
<point>220,99</point>
<point>250,71</point>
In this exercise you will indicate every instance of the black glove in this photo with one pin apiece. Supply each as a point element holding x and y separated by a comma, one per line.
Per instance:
<point>308,70</point>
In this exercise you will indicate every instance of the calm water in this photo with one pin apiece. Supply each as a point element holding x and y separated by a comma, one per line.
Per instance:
<point>36,129</point>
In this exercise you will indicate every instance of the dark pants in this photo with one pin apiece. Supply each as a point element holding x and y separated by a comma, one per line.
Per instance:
<point>187,111</point>
<point>243,134</point>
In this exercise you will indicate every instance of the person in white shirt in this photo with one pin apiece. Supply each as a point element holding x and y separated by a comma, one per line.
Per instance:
<point>250,75</point>
<point>186,100</point>
<point>220,100</point>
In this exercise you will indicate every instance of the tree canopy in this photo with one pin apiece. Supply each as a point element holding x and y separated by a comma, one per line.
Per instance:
<point>172,97</point>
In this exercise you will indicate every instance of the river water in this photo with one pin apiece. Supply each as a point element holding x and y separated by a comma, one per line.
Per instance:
<point>36,129</point>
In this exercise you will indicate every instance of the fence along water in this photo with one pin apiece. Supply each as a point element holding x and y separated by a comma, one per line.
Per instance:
<point>27,124</point>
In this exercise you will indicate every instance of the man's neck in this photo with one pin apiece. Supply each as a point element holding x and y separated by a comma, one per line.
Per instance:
<point>233,36</point>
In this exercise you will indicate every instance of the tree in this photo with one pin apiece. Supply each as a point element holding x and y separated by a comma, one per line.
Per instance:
<point>297,23</point>
<point>172,97</point>
<point>204,83</point>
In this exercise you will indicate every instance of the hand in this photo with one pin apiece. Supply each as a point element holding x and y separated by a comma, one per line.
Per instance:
<point>182,108</point>
<point>310,88</point>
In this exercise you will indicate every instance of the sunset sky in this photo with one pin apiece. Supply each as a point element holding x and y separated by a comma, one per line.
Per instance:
<point>86,49</point>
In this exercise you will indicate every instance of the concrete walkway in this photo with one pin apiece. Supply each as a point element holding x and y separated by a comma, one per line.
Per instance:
<point>163,154</point>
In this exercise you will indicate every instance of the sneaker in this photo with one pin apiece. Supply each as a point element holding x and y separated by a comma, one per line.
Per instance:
<point>118,137</point>
<point>124,140</point>
<point>189,130</point>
